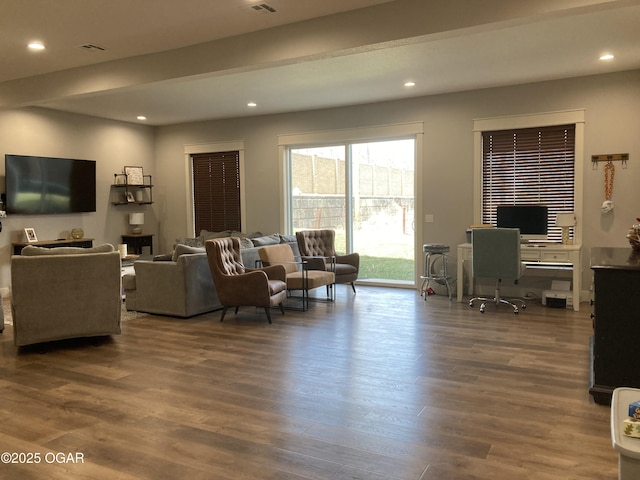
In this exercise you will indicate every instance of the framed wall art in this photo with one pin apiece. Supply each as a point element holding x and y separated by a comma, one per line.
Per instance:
<point>134,175</point>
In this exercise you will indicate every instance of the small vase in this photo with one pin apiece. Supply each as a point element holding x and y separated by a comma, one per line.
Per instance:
<point>77,233</point>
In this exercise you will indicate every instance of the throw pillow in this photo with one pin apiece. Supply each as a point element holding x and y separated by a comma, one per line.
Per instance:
<point>191,241</point>
<point>185,250</point>
<point>266,240</point>
<point>287,238</point>
<point>246,242</point>
<point>32,250</point>
<point>206,235</point>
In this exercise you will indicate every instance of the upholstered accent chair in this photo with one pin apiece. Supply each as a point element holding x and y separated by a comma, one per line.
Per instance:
<point>239,286</point>
<point>496,255</point>
<point>299,277</point>
<point>62,293</point>
<point>317,248</point>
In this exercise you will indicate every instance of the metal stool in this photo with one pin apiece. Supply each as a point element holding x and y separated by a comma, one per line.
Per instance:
<point>432,253</point>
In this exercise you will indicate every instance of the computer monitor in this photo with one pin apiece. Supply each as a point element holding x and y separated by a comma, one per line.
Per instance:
<point>532,220</point>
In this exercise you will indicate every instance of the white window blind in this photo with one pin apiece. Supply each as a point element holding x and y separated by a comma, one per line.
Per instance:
<point>529,166</point>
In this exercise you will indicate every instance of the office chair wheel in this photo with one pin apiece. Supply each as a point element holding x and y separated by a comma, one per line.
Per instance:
<point>515,310</point>
<point>482,308</point>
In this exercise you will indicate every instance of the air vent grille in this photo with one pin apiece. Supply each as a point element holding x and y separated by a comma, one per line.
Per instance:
<point>92,47</point>
<point>263,7</point>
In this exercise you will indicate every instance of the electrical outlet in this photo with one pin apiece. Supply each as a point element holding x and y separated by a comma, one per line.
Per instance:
<point>428,218</point>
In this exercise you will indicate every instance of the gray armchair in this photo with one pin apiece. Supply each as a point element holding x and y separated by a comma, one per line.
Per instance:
<point>238,286</point>
<point>496,254</point>
<point>60,293</point>
<point>317,248</point>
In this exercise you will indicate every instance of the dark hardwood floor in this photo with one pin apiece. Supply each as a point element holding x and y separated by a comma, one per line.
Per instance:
<point>378,386</point>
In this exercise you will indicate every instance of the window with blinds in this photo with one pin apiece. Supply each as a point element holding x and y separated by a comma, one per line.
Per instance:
<point>530,166</point>
<point>216,191</point>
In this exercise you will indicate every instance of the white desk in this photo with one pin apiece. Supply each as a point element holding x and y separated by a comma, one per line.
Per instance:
<point>549,255</point>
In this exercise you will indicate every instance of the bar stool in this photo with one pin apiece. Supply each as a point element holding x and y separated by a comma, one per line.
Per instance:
<point>432,253</point>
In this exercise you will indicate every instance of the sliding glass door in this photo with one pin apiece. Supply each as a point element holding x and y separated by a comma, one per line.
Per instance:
<point>365,192</point>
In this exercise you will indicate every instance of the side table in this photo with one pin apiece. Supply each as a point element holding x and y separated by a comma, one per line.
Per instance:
<point>136,242</point>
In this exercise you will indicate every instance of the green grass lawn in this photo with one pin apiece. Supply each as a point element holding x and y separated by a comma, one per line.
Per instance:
<point>383,267</point>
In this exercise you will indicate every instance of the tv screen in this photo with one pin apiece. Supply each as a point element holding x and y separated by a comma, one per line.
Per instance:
<point>45,185</point>
<point>532,220</point>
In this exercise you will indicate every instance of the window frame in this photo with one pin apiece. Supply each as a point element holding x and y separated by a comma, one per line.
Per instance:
<point>575,117</point>
<point>192,149</point>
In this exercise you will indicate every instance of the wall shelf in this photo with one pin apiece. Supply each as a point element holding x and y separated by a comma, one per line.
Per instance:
<point>128,194</point>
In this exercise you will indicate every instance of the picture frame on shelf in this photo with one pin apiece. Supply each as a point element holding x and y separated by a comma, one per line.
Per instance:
<point>130,198</point>
<point>30,234</point>
<point>134,175</point>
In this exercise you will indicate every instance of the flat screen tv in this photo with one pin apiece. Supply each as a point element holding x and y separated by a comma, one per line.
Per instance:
<point>532,220</point>
<point>46,185</point>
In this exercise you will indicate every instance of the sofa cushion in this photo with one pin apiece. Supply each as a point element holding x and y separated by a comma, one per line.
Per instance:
<point>32,250</point>
<point>185,250</point>
<point>266,240</point>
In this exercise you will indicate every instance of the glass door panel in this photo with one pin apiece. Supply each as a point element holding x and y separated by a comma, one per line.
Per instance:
<point>318,190</point>
<point>383,209</point>
<point>365,192</point>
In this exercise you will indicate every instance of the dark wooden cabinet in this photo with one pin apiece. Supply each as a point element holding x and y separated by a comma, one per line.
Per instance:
<point>615,354</point>
<point>81,242</point>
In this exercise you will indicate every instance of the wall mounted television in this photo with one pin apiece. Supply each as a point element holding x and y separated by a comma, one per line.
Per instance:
<point>532,220</point>
<point>47,185</point>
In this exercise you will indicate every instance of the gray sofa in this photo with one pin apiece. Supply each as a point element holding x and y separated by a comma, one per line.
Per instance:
<point>180,284</point>
<point>60,293</point>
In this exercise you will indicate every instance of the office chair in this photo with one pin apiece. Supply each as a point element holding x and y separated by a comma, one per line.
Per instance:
<point>496,254</point>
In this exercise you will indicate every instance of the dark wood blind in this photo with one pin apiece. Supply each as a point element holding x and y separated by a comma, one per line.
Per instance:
<point>531,166</point>
<point>216,191</point>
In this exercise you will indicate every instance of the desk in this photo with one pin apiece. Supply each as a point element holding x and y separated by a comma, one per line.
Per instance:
<point>136,242</point>
<point>550,255</point>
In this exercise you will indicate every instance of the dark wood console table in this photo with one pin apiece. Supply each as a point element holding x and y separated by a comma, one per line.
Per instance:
<point>615,361</point>
<point>82,242</point>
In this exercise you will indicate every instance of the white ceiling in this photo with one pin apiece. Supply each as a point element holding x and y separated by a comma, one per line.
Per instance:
<point>333,58</point>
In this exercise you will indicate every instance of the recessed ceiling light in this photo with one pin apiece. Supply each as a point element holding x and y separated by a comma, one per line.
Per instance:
<point>36,46</point>
<point>252,104</point>
<point>141,117</point>
<point>607,56</point>
<point>410,84</point>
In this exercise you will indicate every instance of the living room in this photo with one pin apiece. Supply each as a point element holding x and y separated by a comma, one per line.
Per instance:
<point>610,101</point>
<point>607,101</point>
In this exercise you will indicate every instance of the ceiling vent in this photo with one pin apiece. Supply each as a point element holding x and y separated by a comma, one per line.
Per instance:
<point>92,47</point>
<point>263,7</point>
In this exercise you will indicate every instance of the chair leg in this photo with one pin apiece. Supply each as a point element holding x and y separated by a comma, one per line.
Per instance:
<point>237,308</point>
<point>266,310</point>
<point>281,308</point>
<point>224,311</point>
<point>353,286</point>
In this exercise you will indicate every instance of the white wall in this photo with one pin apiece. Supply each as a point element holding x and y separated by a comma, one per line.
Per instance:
<point>612,111</point>
<point>41,132</point>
